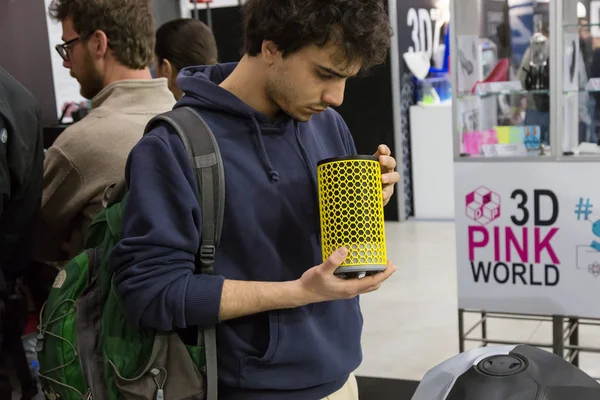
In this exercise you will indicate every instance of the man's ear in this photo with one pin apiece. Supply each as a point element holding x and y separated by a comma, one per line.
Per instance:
<point>98,44</point>
<point>165,69</point>
<point>270,52</point>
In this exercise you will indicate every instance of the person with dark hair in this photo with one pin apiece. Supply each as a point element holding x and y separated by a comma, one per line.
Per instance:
<point>285,329</point>
<point>108,47</point>
<point>21,163</point>
<point>183,43</point>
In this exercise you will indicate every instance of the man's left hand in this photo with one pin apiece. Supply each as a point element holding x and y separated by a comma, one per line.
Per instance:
<point>389,177</point>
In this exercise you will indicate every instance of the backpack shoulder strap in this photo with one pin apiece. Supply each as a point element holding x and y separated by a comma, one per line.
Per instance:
<point>204,154</point>
<point>202,148</point>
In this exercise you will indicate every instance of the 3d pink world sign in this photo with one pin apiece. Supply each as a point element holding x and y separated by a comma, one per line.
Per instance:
<point>517,249</point>
<point>527,238</point>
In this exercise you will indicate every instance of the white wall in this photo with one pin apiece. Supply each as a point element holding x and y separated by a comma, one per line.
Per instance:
<point>165,10</point>
<point>432,162</point>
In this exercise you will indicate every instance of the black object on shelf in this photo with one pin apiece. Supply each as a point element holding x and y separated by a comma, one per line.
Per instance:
<point>78,114</point>
<point>51,132</point>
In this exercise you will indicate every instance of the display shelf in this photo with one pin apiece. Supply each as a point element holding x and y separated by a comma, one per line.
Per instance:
<point>584,153</point>
<point>463,95</point>
<point>581,91</point>
<point>530,156</point>
<point>560,46</point>
<point>530,153</point>
<point>580,158</point>
<point>567,25</point>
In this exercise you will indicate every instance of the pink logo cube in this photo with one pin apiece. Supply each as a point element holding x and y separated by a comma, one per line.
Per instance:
<point>483,205</point>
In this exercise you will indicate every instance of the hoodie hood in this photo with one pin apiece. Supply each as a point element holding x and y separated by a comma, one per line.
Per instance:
<point>201,88</point>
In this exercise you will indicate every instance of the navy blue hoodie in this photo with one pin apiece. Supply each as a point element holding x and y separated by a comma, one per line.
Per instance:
<point>270,233</point>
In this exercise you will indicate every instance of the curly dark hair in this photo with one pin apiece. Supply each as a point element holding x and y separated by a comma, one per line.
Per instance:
<point>128,25</point>
<point>361,27</point>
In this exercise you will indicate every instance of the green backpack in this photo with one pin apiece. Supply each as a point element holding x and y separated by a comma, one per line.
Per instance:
<point>87,348</point>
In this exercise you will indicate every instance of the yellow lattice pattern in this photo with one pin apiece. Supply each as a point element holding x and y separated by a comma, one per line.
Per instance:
<point>351,209</point>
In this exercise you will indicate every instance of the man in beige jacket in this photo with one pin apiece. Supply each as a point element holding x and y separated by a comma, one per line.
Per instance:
<point>108,46</point>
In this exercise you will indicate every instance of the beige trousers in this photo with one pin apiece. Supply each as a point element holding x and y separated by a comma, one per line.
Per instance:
<point>348,392</point>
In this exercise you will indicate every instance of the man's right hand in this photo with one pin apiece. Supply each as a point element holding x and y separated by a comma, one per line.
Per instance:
<point>320,284</point>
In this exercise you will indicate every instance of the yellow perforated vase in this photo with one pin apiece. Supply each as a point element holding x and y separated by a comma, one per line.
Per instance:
<point>351,210</point>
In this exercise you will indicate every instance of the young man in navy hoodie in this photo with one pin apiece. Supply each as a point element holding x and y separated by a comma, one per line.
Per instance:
<point>284,330</point>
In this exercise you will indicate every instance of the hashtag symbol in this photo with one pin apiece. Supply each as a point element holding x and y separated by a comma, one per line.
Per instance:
<point>583,209</point>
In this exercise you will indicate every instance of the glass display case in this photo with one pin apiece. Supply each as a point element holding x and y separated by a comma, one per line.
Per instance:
<point>579,55</point>
<point>525,79</point>
<point>525,143</point>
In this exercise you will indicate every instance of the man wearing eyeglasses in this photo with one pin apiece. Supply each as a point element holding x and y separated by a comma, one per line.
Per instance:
<point>108,46</point>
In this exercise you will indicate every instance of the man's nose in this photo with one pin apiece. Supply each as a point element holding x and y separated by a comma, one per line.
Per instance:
<point>334,94</point>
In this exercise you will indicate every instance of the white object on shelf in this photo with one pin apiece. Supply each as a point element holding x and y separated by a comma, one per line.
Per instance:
<point>588,148</point>
<point>571,61</point>
<point>418,63</point>
<point>507,87</point>
<point>593,85</point>
<point>469,62</point>
<point>571,121</point>
<point>504,150</point>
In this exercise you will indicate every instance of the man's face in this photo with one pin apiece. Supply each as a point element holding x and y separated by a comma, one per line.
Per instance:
<point>309,81</point>
<point>81,62</point>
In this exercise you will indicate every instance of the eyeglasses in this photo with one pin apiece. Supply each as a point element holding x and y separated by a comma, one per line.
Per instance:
<point>63,49</point>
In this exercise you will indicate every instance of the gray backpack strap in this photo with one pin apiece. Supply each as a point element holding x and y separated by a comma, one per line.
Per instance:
<point>201,146</point>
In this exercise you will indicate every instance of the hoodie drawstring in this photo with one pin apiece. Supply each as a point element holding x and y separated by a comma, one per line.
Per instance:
<point>273,175</point>
<point>306,158</point>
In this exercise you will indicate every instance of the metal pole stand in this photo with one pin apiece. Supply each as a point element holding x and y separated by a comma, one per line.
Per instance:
<point>565,333</point>
<point>209,16</point>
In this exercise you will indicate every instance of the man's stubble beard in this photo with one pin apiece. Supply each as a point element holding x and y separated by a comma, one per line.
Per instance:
<point>279,93</point>
<point>91,83</point>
